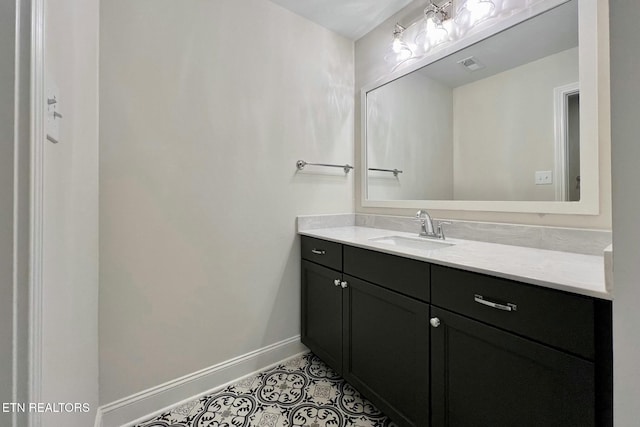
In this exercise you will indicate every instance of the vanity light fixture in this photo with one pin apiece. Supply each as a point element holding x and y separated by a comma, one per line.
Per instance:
<point>444,22</point>
<point>399,51</point>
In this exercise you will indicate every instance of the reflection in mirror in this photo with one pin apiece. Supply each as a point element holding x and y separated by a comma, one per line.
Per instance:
<point>498,120</point>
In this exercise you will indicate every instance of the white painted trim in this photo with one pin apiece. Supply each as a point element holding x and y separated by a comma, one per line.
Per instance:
<point>561,143</point>
<point>98,422</point>
<point>153,401</point>
<point>16,155</point>
<point>36,206</point>
<point>590,123</point>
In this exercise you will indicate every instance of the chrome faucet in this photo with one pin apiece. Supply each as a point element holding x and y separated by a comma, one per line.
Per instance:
<point>426,226</point>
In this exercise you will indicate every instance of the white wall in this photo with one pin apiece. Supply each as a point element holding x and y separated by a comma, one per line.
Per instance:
<point>7,105</point>
<point>625,91</point>
<point>370,66</point>
<point>411,129</point>
<point>504,130</point>
<point>70,271</point>
<point>205,106</point>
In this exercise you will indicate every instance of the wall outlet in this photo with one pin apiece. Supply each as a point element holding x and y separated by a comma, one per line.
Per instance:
<point>544,177</point>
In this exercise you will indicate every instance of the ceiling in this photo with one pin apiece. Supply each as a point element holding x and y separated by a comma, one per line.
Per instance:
<point>351,18</point>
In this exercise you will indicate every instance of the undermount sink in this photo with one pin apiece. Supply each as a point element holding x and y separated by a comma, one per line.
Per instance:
<point>411,243</point>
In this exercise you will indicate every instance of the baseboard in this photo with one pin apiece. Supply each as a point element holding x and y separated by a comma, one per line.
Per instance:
<point>98,422</point>
<point>146,404</point>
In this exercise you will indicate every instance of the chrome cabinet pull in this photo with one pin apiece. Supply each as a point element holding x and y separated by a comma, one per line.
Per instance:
<point>504,307</point>
<point>336,282</point>
<point>318,251</point>
<point>435,322</point>
<point>344,285</point>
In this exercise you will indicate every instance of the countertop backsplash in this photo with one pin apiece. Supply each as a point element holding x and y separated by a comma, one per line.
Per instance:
<point>576,240</point>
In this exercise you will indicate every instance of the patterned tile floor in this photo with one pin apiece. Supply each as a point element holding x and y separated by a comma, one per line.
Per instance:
<point>301,392</point>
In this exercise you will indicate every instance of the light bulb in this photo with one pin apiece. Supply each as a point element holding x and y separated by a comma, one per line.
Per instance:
<point>436,32</point>
<point>400,50</point>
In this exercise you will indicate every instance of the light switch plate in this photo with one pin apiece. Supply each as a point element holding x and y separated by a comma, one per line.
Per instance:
<point>53,112</point>
<point>544,177</point>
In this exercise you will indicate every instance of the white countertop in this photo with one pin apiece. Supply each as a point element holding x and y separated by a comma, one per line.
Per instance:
<point>566,271</point>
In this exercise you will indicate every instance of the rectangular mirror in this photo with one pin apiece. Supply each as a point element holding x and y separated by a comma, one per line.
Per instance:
<point>492,124</point>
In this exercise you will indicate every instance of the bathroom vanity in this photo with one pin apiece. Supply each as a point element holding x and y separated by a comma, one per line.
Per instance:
<point>437,342</point>
<point>476,334</point>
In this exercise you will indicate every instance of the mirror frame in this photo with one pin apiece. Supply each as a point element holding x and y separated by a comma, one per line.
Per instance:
<point>593,84</point>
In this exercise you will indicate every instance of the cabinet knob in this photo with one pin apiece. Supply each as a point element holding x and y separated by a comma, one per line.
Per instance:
<point>344,285</point>
<point>435,322</point>
<point>336,282</point>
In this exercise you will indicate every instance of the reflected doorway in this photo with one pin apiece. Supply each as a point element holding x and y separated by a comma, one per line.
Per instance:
<point>567,124</point>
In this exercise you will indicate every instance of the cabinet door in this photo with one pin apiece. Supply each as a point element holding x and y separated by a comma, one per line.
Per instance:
<point>387,350</point>
<point>322,313</point>
<point>485,377</point>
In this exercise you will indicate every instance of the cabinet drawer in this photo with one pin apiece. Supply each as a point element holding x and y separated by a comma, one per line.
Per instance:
<point>551,317</point>
<point>322,252</point>
<point>407,276</point>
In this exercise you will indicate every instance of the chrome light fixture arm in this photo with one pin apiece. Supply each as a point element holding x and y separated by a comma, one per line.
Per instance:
<point>438,11</point>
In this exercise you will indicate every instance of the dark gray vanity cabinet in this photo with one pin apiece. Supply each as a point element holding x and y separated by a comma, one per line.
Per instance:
<point>376,335</point>
<point>484,377</point>
<point>322,300</point>
<point>386,353</point>
<point>322,313</point>
<point>387,332</point>
<point>505,353</point>
<point>443,347</point>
